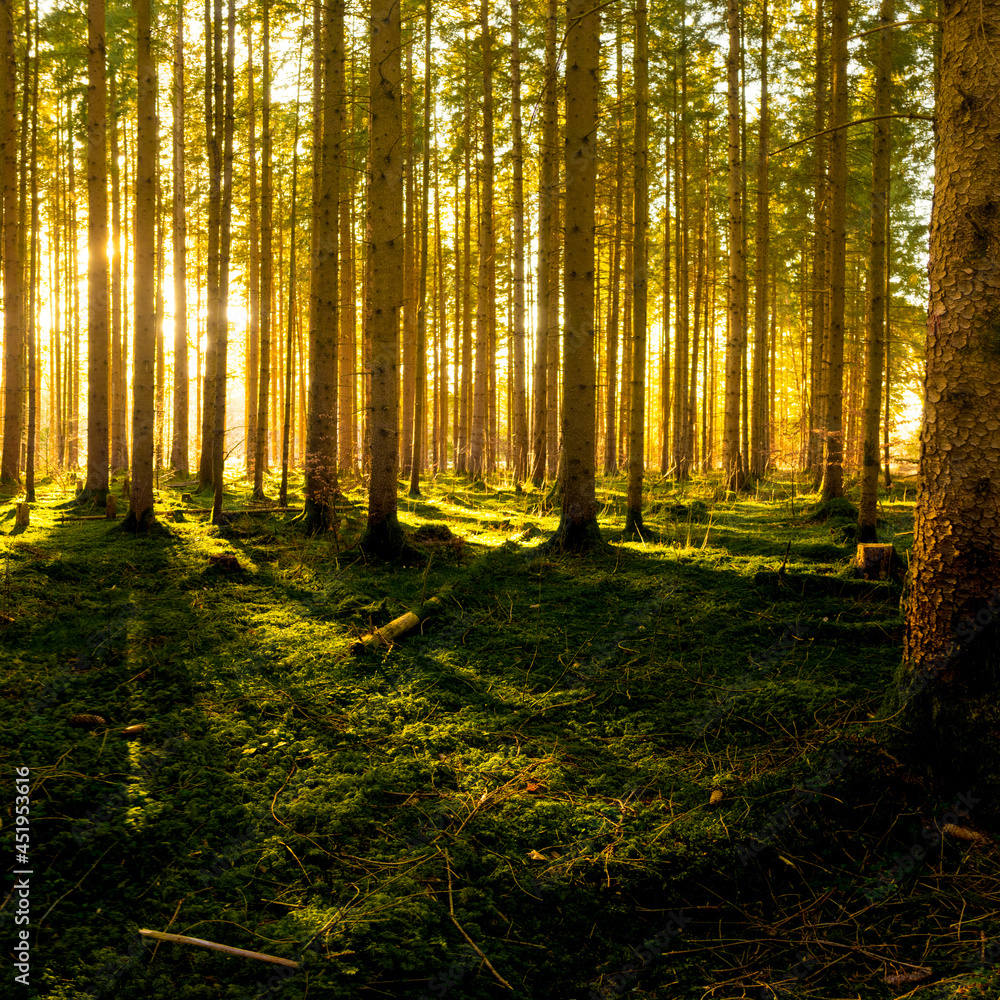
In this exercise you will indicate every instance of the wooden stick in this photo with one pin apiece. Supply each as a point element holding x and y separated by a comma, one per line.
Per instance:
<point>201,943</point>
<point>398,627</point>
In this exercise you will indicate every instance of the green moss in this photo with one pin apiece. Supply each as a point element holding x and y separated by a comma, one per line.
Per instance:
<point>536,762</point>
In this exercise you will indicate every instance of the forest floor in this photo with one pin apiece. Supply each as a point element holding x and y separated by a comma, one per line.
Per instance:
<point>658,771</point>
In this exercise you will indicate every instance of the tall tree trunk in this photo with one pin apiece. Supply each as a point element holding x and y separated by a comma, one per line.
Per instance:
<point>140,514</point>
<point>179,442</point>
<point>420,374</point>
<point>465,392</point>
<point>98,314</point>
<point>252,384</point>
<point>266,270</point>
<point>759,451</point>
<point>665,410</point>
<point>519,401</point>
<point>732,461</point>
<point>875,341</point>
<point>13,275</point>
<point>225,248</point>
<point>578,529</point>
<point>551,126</point>
<point>161,259</point>
<point>546,195</point>
<point>214,115</point>
<point>833,477</point>
<point>409,253</point>
<point>384,536</point>
<point>637,423</point>
<point>611,397</point>
<point>34,374</point>
<point>817,407</point>
<point>119,393</point>
<point>321,450</point>
<point>347,361</point>
<point>484,359</point>
<point>951,669</point>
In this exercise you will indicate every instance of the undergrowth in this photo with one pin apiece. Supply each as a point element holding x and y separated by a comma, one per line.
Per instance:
<point>655,771</point>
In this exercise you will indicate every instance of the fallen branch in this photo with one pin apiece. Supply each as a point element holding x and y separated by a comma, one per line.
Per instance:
<point>201,943</point>
<point>403,625</point>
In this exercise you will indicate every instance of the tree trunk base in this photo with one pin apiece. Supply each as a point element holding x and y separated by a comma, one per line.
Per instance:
<point>139,524</point>
<point>573,537</point>
<point>634,529</point>
<point>875,561</point>
<point>387,542</point>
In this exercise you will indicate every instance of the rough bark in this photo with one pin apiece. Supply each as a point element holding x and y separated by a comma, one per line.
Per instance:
<point>637,423</point>
<point>266,271</point>
<point>760,456</point>
<point>546,195</point>
<point>225,249</point>
<point>833,474</point>
<point>179,441</point>
<point>732,461</point>
<point>140,514</point>
<point>519,401</point>
<point>13,279</point>
<point>98,313</point>
<point>951,662</point>
<point>384,536</point>
<point>578,529</point>
<point>321,449</point>
<point>420,373</point>
<point>875,341</point>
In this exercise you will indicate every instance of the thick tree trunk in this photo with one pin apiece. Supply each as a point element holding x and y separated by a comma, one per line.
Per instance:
<point>465,390</point>
<point>252,383</point>
<point>519,401</point>
<point>266,270</point>
<point>214,123</point>
<point>321,450</point>
<point>179,442</point>
<point>420,374</point>
<point>611,396</point>
<point>481,426</point>
<point>98,313</point>
<point>225,248</point>
<point>384,536</point>
<point>952,655</point>
<point>13,279</point>
<point>547,196</point>
<point>637,423</point>
<point>732,462</point>
<point>140,514</point>
<point>119,389</point>
<point>34,374</point>
<point>875,341</point>
<point>817,408</point>
<point>833,475</point>
<point>760,456</point>
<point>578,528</point>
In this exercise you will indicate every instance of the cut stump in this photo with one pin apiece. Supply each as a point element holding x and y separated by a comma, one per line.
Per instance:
<point>877,561</point>
<point>111,508</point>
<point>22,516</point>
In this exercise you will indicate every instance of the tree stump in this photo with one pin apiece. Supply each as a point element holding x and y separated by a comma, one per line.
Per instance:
<point>111,508</point>
<point>22,515</point>
<point>126,488</point>
<point>877,561</point>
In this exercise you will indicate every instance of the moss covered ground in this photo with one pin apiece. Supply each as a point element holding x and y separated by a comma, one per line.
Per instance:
<point>658,771</point>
